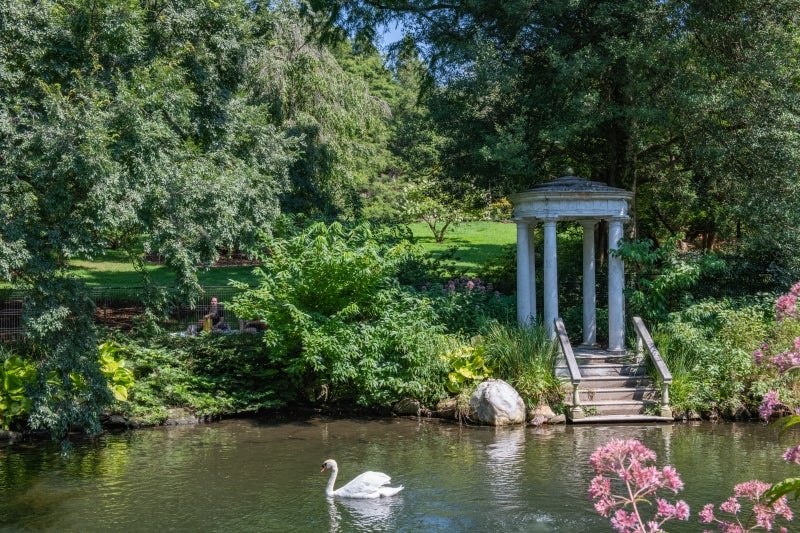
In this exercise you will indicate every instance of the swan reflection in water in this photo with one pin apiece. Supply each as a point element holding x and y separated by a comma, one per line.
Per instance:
<point>363,514</point>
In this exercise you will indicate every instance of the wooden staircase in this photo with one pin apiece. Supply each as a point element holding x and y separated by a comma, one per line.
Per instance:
<point>610,387</point>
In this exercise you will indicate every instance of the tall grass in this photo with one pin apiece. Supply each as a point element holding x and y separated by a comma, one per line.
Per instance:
<point>525,357</point>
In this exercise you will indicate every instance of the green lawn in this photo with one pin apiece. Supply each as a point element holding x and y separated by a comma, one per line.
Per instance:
<point>115,270</point>
<point>468,245</point>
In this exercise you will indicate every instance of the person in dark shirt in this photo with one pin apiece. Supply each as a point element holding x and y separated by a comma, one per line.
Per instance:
<point>215,316</point>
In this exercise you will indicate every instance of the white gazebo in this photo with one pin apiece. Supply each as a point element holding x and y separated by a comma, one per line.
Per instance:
<point>587,202</point>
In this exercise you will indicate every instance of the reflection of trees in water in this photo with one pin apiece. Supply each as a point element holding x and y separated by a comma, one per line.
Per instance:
<point>349,514</point>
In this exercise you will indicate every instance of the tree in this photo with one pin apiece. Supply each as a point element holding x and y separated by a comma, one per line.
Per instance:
<point>691,105</point>
<point>174,127</point>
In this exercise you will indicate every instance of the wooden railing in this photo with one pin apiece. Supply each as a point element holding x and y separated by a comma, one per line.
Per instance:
<point>572,366</point>
<point>645,341</point>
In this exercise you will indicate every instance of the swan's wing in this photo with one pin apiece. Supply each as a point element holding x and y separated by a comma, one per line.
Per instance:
<point>365,485</point>
<point>389,491</point>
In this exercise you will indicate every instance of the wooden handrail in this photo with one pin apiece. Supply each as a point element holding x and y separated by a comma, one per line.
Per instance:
<point>644,340</point>
<point>572,366</point>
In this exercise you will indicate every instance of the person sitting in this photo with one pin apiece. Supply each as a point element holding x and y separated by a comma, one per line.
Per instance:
<point>215,317</point>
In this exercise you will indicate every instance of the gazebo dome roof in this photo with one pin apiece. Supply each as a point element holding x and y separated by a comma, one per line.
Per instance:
<point>571,198</point>
<point>576,185</point>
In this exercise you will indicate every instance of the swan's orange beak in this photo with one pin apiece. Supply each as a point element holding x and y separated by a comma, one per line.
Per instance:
<point>323,468</point>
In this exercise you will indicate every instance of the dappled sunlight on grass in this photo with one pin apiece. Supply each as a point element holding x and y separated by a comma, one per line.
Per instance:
<point>469,245</point>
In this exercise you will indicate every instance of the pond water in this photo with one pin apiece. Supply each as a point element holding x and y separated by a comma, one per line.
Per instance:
<point>257,475</point>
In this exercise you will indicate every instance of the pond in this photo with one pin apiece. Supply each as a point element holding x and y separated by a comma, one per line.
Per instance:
<point>259,475</point>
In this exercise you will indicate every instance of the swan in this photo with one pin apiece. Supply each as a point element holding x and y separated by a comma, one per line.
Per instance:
<point>366,485</point>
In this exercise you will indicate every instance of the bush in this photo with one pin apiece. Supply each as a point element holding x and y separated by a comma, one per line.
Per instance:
<point>340,326</point>
<point>708,348</point>
<point>212,375</point>
<point>464,305</point>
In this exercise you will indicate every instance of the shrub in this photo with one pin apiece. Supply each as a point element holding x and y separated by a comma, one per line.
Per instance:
<point>340,325</point>
<point>708,348</point>
<point>464,305</point>
<point>660,276</point>
<point>16,376</point>
<point>212,375</point>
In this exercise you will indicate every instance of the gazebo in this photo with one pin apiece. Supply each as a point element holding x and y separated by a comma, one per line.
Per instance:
<point>570,198</point>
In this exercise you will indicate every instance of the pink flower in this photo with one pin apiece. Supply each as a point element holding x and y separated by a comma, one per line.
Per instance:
<point>769,404</point>
<point>765,515</point>
<point>786,306</point>
<point>628,461</point>
<point>751,489</point>
<point>624,521</point>
<point>672,479</point>
<point>792,455</point>
<point>731,505</point>
<point>707,514</point>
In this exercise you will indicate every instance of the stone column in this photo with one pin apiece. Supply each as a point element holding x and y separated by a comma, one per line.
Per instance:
<point>589,296</point>
<point>616,283</point>
<point>524,309</point>
<point>532,264</point>
<point>550,277</point>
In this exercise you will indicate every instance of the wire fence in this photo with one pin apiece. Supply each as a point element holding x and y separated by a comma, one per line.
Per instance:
<point>119,307</point>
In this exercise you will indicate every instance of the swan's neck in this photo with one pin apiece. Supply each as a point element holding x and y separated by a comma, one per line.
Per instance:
<point>331,481</point>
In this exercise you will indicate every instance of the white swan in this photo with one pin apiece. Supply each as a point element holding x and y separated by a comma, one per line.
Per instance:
<point>366,485</point>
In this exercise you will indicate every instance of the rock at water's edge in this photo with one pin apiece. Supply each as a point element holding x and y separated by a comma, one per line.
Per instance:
<point>496,403</point>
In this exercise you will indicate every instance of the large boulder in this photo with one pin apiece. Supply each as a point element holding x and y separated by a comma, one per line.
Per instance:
<point>496,403</point>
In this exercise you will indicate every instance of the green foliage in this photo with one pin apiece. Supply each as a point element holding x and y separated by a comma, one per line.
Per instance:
<point>660,277</point>
<point>174,128</point>
<point>691,105</point>
<point>468,367</point>
<point>16,375</point>
<point>210,375</point>
<point>709,347</point>
<point>426,201</point>
<point>340,328</point>
<point>113,367</point>
<point>525,357</point>
<point>464,305</point>
<point>20,383</point>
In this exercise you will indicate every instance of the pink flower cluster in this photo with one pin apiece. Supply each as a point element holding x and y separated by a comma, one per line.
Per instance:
<point>786,305</point>
<point>764,515</point>
<point>629,460</point>
<point>770,405</point>
<point>467,284</point>
<point>782,361</point>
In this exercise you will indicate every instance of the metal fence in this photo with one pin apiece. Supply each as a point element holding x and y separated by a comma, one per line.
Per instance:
<point>119,307</point>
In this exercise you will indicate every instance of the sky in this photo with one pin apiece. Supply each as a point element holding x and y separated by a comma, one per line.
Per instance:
<point>389,35</point>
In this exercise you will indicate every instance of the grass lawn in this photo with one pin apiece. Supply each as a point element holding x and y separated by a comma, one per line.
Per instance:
<point>115,270</point>
<point>467,246</point>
